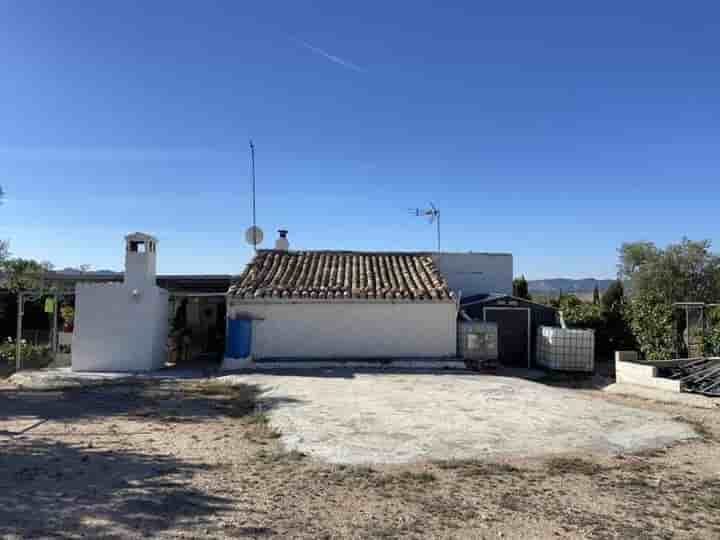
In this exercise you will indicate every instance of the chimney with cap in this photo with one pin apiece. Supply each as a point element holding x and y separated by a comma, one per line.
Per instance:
<point>282,242</point>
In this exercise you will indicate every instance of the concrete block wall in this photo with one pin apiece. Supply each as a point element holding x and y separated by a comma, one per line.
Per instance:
<point>629,371</point>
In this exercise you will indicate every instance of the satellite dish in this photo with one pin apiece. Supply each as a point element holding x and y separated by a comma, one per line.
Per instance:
<point>254,235</point>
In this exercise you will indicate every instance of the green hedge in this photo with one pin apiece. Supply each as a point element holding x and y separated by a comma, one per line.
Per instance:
<point>33,356</point>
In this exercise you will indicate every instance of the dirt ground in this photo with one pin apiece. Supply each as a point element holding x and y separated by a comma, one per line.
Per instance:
<point>184,459</point>
<point>356,417</point>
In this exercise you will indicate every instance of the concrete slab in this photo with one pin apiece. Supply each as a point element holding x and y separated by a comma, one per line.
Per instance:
<point>350,417</point>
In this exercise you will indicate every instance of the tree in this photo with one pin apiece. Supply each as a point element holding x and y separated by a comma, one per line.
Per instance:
<point>617,326</point>
<point>633,255</point>
<point>657,278</point>
<point>596,295</point>
<point>3,252</point>
<point>613,298</point>
<point>22,274</point>
<point>651,321</point>
<point>520,288</point>
<point>684,272</point>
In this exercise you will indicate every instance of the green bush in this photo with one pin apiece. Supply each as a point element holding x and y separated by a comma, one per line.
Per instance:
<point>711,339</point>
<point>579,314</point>
<point>612,332</point>
<point>651,321</point>
<point>33,356</point>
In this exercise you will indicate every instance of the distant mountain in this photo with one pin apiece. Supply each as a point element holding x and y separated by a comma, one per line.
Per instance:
<point>69,271</point>
<point>575,286</point>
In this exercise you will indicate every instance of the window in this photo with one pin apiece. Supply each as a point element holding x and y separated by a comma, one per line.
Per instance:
<point>137,246</point>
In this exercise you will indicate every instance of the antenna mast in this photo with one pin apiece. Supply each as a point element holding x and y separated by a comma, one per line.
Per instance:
<point>254,220</point>
<point>433,215</point>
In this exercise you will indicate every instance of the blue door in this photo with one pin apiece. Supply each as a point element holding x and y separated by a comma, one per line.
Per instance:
<point>239,338</point>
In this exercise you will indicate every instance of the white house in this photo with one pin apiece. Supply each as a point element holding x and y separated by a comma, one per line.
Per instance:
<point>344,304</point>
<point>471,273</point>
<point>123,326</point>
<point>354,305</point>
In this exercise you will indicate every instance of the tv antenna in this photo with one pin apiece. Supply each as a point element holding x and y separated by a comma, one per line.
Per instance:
<point>433,215</point>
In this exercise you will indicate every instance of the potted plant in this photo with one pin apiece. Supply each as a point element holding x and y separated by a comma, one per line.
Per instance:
<point>67,313</point>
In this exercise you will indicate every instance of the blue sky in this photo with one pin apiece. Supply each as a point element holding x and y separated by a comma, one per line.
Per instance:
<point>552,130</point>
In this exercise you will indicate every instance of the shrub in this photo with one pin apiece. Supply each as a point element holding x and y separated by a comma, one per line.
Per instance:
<point>612,331</point>
<point>579,314</point>
<point>520,288</point>
<point>651,320</point>
<point>33,356</point>
<point>613,299</point>
<point>711,339</point>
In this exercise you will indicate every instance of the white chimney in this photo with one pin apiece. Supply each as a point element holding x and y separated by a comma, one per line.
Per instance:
<point>140,260</point>
<point>282,242</point>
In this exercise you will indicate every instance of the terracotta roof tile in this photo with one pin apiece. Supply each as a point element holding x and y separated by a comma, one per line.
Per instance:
<point>339,275</point>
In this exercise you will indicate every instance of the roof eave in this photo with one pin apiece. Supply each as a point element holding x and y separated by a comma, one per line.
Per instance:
<point>239,300</point>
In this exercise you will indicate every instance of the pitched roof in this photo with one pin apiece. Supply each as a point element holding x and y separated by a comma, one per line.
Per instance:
<point>341,275</point>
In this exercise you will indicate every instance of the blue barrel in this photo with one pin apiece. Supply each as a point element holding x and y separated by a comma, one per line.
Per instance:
<point>239,338</point>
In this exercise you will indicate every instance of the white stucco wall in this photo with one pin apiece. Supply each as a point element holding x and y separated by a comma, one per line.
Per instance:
<point>116,332</point>
<point>477,273</point>
<point>351,329</point>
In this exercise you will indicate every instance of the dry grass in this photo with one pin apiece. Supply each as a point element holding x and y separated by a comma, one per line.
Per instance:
<point>572,465</point>
<point>478,468</point>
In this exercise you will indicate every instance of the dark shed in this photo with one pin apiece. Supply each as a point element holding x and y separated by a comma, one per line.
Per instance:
<point>518,321</point>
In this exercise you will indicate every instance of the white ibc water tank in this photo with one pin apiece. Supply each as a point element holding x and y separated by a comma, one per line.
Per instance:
<point>566,349</point>
<point>478,341</point>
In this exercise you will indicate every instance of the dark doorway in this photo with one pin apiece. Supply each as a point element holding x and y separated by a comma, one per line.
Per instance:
<point>513,334</point>
<point>197,328</point>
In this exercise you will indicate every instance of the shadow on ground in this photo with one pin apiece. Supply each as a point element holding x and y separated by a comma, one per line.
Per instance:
<point>47,487</point>
<point>165,400</point>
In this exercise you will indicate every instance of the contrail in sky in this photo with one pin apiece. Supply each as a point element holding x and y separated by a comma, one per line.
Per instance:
<point>335,59</point>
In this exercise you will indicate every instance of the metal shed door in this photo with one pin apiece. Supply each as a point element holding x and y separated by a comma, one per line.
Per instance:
<point>513,334</point>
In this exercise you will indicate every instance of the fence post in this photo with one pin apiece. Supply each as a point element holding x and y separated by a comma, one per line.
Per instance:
<point>18,348</point>
<point>54,328</point>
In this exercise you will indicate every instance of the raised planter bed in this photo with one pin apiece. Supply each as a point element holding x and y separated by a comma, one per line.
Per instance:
<point>628,370</point>
<point>696,375</point>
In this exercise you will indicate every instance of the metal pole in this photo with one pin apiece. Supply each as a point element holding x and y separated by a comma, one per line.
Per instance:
<point>687,329</point>
<point>18,348</point>
<point>53,347</point>
<point>702,330</point>
<point>438,229</point>
<point>252,159</point>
